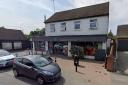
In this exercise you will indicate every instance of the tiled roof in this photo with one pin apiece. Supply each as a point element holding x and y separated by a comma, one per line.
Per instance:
<point>79,13</point>
<point>11,34</point>
<point>122,31</point>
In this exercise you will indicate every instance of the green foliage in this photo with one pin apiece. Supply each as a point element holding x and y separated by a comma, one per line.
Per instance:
<point>37,32</point>
<point>110,34</point>
<point>77,50</point>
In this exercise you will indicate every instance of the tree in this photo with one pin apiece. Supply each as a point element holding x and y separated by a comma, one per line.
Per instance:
<point>42,32</point>
<point>37,32</point>
<point>110,34</point>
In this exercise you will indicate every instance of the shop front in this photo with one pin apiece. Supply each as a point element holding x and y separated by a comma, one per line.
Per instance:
<point>62,44</point>
<point>89,44</point>
<point>88,48</point>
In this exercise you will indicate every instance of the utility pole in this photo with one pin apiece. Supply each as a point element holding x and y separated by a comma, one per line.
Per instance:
<point>45,18</point>
<point>54,9</point>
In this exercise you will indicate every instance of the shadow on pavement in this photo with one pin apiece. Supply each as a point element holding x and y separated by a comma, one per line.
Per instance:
<point>80,72</point>
<point>81,66</point>
<point>28,81</point>
<point>60,81</point>
<point>5,69</point>
<point>61,56</point>
<point>93,61</point>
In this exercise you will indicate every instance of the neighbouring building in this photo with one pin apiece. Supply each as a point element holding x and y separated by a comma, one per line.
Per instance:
<point>86,27</point>
<point>11,39</point>
<point>122,49</point>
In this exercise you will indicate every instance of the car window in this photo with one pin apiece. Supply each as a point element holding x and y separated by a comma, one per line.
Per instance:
<point>27,62</point>
<point>4,53</point>
<point>19,60</point>
<point>40,61</point>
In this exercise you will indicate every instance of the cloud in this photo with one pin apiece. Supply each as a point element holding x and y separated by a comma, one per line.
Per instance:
<point>25,15</point>
<point>118,14</point>
<point>81,3</point>
<point>38,4</point>
<point>28,14</point>
<point>22,23</point>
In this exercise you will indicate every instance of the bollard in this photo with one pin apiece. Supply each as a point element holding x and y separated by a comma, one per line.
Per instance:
<point>55,59</point>
<point>76,64</point>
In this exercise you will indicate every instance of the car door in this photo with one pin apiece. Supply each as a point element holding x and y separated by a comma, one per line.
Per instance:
<point>19,65</point>
<point>29,68</point>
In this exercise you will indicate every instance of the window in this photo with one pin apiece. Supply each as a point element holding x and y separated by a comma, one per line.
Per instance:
<point>40,61</point>
<point>52,28</point>
<point>77,25</point>
<point>93,24</point>
<point>27,62</point>
<point>63,26</point>
<point>19,60</point>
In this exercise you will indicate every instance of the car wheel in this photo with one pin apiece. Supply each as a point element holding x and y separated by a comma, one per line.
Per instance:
<point>16,74</point>
<point>40,81</point>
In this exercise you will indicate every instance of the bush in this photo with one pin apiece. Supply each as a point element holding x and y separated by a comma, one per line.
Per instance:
<point>77,50</point>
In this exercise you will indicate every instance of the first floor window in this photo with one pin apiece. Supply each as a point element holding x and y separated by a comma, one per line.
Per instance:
<point>93,24</point>
<point>52,27</point>
<point>63,26</point>
<point>77,25</point>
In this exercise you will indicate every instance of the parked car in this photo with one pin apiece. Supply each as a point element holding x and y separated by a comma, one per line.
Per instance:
<point>6,58</point>
<point>37,67</point>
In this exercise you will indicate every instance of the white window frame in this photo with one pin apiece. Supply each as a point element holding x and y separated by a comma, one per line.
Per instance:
<point>63,26</point>
<point>77,23</point>
<point>93,24</point>
<point>52,27</point>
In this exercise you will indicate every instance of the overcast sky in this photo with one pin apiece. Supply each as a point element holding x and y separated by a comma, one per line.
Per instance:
<point>28,15</point>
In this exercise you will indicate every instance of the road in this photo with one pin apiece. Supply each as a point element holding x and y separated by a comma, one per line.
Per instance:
<point>7,78</point>
<point>89,73</point>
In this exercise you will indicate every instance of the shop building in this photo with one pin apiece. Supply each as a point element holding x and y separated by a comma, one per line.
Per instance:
<point>86,27</point>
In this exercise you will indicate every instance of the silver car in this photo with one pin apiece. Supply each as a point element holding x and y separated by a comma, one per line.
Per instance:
<point>6,58</point>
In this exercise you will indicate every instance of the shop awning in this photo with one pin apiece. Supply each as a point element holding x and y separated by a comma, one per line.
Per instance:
<point>94,38</point>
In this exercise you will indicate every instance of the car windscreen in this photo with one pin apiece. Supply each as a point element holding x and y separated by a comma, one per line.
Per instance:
<point>40,61</point>
<point>4,53</point>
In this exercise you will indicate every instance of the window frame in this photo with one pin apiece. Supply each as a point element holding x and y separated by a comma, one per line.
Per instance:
<point>77,23</point>
<point>63,26</point>
<point>26,64</point>
<point>17,59</point>
<point>92,23</point>
<point>52,27</point>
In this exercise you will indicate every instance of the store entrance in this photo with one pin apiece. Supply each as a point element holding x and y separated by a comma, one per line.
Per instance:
<point>60,48</point>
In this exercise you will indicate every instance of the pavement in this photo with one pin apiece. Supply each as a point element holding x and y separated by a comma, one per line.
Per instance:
<point>119,79</point>
<point>89,73</point>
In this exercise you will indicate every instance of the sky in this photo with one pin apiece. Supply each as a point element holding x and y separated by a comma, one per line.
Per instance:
<point>28,15</point>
